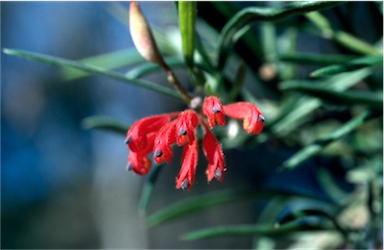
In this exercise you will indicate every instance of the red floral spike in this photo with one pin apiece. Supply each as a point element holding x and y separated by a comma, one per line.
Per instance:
<point>163,141</point>
<point>185,127</point>
<point>215,156</point>
<point>137,135</point>
<point>186,176</point>
<point>158,133</point>
<point>214,111</point>
<point>139,161</point>
<point>253,120</point>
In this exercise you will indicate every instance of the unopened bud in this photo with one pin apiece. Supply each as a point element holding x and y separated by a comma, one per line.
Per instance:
<point>142,36</point>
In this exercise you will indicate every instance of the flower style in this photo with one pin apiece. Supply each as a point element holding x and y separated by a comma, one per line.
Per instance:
<point>157,134</point>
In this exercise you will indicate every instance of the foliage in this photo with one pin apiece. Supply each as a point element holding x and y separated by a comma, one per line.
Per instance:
<point>299,112</point>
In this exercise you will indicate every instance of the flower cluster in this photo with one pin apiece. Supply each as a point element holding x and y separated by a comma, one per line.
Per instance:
<point>157,134</point>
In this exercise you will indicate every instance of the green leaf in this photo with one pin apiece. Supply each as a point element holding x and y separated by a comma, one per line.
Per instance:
<point>56,61</point>
<point>337,97</point>
<point>148,188</point>
<point>111,60</point>
<point>197,204</point>
<point>315,59</point>
<point>147,68</point>
<point>359,63</point>
<point>253,14</point>
<point>314,148</point>
<point>105,122</point>
<point>318,213</point>
<point>187,20</point>
<point>299,111</point>
<point>251,230</point>
<point>343,38</point>
<point>238,82</point>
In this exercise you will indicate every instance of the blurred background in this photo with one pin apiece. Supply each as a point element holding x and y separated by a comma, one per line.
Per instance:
<point>63,186</point>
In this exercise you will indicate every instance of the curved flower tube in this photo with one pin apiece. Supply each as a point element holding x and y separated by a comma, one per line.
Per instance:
<point>253,120</point>
<point>136,137</point>
<point>139,162</point>
<point>186,125</point>
<point>186,176</point>
<point>214,111</point>
<point>215,156</point>
<point>163,142</point>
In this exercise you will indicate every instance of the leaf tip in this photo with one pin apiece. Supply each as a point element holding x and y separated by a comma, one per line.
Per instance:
<point>7,51</point>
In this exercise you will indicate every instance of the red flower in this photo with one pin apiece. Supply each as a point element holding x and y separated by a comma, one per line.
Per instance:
<point>214,153</point>
<point>163,141</point>
<point>159,133</point>
<point>186,176</point>
<point>137,135</point>
<point>186,125</point>
<point>250,113</point>
<point>139,161</point>
<point>213,109</point>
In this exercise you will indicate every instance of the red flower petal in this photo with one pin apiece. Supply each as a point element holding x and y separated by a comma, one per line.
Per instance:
<point>214,153</point>
<point>139,161</point>
<point>137,134</point>
<point>185,127</point>
<point>214,111</point>
<point>163,141</point>
<point>253,120</point>
<point>186,176</point>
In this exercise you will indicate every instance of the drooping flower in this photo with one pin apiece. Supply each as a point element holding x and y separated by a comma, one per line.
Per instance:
<point>157,134</point>
<point>136,137</point>
<point>186,125</point>
<point>138,161</point>
<point>214,111</point>
<point>253,120</point>
<point>163,142</point>
<point>186,176</point>
<point>215,156</point>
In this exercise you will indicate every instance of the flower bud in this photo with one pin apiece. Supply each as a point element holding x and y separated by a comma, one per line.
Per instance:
<point>142,36</point>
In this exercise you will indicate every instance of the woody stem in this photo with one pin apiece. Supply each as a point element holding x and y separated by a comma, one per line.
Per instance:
<point>172,79</point>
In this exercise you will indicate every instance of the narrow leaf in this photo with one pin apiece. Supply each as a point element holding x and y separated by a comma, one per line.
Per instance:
<point>356,64</point>
<point>148,188</point>
<point>253,14</point>
<point>56,61</point>
<point>313,149</point>
<point>343,38</point>
<point>315,59</point>
<point>107,123</point>
<point>110,60</point>
<point>302,106</point>
<point>147,68</point>
<point>336,97</point>
<point>197,204</point>
<point>251,230</point>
